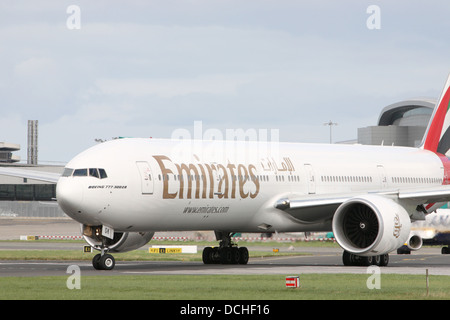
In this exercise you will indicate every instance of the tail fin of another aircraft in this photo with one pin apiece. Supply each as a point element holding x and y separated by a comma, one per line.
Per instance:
<point>437,136</point>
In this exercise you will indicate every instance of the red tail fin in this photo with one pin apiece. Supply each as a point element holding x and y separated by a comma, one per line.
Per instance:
<point>437,136</point>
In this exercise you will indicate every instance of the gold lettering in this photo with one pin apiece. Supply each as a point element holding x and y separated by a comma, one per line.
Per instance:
<point>223,179</point>
<point>165,171</point>
<point>255,180</point>
<point>211,179</point>
<point>242,174</point>
<point>218,176</point>
<point>202,177</point>
<point>233,180</point>
<point>190,177</point>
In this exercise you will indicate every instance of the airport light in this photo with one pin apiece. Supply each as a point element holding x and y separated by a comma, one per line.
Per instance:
<point>330,124</point>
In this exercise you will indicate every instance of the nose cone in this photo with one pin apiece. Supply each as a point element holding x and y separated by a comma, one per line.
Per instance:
<point>70,197</point>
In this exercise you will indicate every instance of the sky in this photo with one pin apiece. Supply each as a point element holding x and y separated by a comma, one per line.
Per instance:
<point>90,70</point>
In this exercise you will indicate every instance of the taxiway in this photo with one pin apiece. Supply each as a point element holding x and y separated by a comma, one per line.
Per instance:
<point>322,260</point>
<point>318,260</point>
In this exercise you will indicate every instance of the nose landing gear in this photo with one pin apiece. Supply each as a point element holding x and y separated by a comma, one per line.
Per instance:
<point>103,262</point>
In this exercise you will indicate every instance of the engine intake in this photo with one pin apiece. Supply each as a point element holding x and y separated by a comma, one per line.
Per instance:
<point>414,242</point>
<point>371,225</point>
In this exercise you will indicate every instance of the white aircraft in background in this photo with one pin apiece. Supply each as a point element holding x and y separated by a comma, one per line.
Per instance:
<point>122,191</point>
<point>433,231</point>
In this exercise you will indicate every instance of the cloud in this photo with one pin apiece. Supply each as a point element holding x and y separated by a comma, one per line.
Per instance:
<point>145,68</point>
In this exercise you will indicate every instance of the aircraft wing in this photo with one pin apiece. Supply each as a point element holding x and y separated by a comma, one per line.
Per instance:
<point>30,174</point>
<point>321,207</point>
<point>306,203</point>
<point>428,195</point>
<point>312,208</point>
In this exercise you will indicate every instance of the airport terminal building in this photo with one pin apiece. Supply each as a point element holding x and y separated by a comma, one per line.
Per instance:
<point>400,124</point>
<point>6,152</point>
<point>22,197</point>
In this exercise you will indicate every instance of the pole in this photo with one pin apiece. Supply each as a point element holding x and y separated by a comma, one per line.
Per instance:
<point>330,124</point>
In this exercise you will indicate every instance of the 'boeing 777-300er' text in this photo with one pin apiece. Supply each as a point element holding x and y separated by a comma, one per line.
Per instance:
<point>124,190</point>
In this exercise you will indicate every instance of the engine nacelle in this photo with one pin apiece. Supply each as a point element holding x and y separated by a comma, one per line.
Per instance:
<point>121,242</point>
<point>414,242</point>
<point>371,225</point>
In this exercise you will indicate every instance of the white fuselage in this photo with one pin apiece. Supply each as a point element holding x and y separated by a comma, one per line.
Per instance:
<point>157,185</point>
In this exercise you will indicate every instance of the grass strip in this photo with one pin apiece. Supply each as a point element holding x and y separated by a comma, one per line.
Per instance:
<point>225,287</point>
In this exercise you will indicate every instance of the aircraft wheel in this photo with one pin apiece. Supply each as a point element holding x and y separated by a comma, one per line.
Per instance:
<point>107,262</point>
<point>207,255</point>
<point>367,261</point>
<point>96,261</point>
<point>225,255</point>
<point>243,255</point>
<point>403,250</point>
<point>347,258</point>
<point>350,259</point>
<point>376,260</point>
<point>235,255</point>
<point>384,260</point>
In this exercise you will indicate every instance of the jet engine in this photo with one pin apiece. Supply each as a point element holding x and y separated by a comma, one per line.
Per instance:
<point>414,242</point>
<point>371,225</point>
<point>121,241</point>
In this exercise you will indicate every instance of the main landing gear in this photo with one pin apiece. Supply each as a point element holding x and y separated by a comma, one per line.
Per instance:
<point>226,253</point>
<point>351,259</point>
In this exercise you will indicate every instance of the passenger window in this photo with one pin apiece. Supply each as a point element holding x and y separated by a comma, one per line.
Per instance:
<point>102,173</point>
<point>80,173</point>
<point>93,172</point>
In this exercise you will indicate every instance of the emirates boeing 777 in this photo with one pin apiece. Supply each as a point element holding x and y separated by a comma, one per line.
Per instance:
<point>123,191</point>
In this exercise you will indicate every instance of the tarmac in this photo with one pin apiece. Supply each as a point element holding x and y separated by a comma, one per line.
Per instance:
<point>13,228</point>
<point>318,260</point>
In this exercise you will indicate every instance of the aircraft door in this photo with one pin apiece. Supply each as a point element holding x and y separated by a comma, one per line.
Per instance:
<point>310,178</point>
<point>382,174</point>
<point>215,184</point>
<point>146,176</point>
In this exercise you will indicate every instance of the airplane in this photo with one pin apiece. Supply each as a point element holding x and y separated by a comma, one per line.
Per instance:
<point>124,190</point>
<point>433,231</point>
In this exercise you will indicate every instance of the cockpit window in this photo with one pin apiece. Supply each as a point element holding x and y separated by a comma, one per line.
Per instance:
<point>91,172</point>
<point>102,173</point>
<point>80,173</point>
<point>67,172</point>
